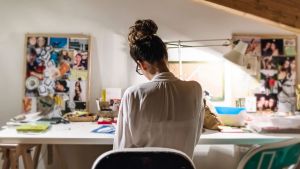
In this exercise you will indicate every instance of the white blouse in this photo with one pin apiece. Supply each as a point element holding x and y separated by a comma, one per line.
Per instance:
<point>165,112</point>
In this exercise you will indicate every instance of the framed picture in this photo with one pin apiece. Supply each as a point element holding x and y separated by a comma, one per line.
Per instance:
<point>57,72</point>
<point>275,69</point>
<point>212,82</point>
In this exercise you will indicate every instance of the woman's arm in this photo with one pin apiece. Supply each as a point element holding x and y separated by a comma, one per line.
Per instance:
<point>119,127</point>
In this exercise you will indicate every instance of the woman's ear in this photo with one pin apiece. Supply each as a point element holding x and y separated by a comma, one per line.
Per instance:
<point>143,65</point>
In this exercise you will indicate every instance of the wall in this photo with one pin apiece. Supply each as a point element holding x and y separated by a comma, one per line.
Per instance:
<point>107,21</point>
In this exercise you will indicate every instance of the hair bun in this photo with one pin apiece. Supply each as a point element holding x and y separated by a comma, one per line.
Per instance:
<point>141,30</point>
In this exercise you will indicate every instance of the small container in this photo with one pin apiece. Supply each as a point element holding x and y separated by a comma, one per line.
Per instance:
<point>232,116</point>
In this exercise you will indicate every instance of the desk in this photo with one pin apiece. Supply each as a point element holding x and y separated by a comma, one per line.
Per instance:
<point>212,137</point>
<point>80,133</point>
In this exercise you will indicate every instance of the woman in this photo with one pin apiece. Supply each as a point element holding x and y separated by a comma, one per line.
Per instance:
<point>287,83</point>
<point>64,56</point>
<point>77,62</point>
<point>275,51</point>
<point>267,51</point>
<point>165,112</point>
<point>77,96</point>
<point>61,86</point>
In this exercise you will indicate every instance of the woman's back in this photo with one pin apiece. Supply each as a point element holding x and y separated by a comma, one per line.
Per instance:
<point>165,112</point>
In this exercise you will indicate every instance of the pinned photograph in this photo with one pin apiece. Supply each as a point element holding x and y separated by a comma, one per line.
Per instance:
<point>42,42</point>
<point>254,47</point>
<point>62,86</point>
<point>35,66</point>
<point>29,104</point>
<point>31,42</point>
<point>269,83</point>
<point>66,55</point>
<point>64,68</point>
<point>266,103</point>
<point>75,74</point>
<point>283,62</point>
<point>79,44</point>
<point>252,54</point>
<point>78,90</point>
<point>286,85</point>
<point>272,47</point>
<point>251,64</point>
<point>290,47</point>
<point>80,61</point>
<point>58,42</point>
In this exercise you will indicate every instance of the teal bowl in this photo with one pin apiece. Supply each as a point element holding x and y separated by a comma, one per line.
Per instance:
<point>229,110</point>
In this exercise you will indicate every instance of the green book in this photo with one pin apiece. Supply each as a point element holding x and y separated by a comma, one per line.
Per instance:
<point>33,127</point>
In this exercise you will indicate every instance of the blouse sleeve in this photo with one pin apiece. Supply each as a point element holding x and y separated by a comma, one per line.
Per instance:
<point>120,135</point>
<point>201,115</point>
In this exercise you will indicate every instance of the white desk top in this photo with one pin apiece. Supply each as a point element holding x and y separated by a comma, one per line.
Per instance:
<point>243,138</point>
<point>72,133</point>
<point>80,133</point>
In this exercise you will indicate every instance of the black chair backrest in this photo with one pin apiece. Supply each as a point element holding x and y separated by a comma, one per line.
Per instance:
<point>143,160</point>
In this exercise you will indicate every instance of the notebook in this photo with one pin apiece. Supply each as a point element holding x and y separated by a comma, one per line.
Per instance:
<point>33,127</point>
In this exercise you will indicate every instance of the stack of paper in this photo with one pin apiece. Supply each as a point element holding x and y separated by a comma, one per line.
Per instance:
<point>289,124</point>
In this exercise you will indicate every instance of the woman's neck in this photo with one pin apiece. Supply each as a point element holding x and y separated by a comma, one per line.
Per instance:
<point>157,69</point>
<point>162,67</point>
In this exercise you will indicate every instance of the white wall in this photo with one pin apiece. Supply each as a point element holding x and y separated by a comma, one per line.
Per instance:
<point>107,22</point>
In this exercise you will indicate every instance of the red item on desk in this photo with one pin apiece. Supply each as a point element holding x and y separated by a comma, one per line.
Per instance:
<point>104,122</point>
<point>107,121</point>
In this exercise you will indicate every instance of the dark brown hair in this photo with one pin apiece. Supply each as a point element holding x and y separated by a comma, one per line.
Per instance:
<point>144,44</point>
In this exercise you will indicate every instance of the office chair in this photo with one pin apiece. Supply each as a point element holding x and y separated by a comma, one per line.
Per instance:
<point>279,155</point>
<point>143,158</point>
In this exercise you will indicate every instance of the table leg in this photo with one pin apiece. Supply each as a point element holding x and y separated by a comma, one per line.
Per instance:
<point>50,154</point>
<point>12,152</point>
<point>36,155</point>
<point>62,162</point>
<point>27,159</point>
<point>14,159</point>
<point>5,157</point>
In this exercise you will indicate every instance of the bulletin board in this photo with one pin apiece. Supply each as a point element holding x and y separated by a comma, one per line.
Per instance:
<point>272,60</point>
<point>57,71</point>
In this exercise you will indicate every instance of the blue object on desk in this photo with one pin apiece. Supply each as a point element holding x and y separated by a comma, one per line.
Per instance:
<point>229,110</point>
<point>105,130</point>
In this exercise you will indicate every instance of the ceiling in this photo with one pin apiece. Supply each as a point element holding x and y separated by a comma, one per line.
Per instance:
<point>284,14</point>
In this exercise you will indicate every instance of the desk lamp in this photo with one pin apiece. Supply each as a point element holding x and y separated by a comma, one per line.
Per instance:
<point>235,55</point>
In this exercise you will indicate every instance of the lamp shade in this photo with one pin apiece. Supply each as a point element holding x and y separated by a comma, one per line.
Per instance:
<point>235,55</point>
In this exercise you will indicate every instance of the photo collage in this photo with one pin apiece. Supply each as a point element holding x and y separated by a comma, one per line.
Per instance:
<point>56,73</point>
<point>273,59</point>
